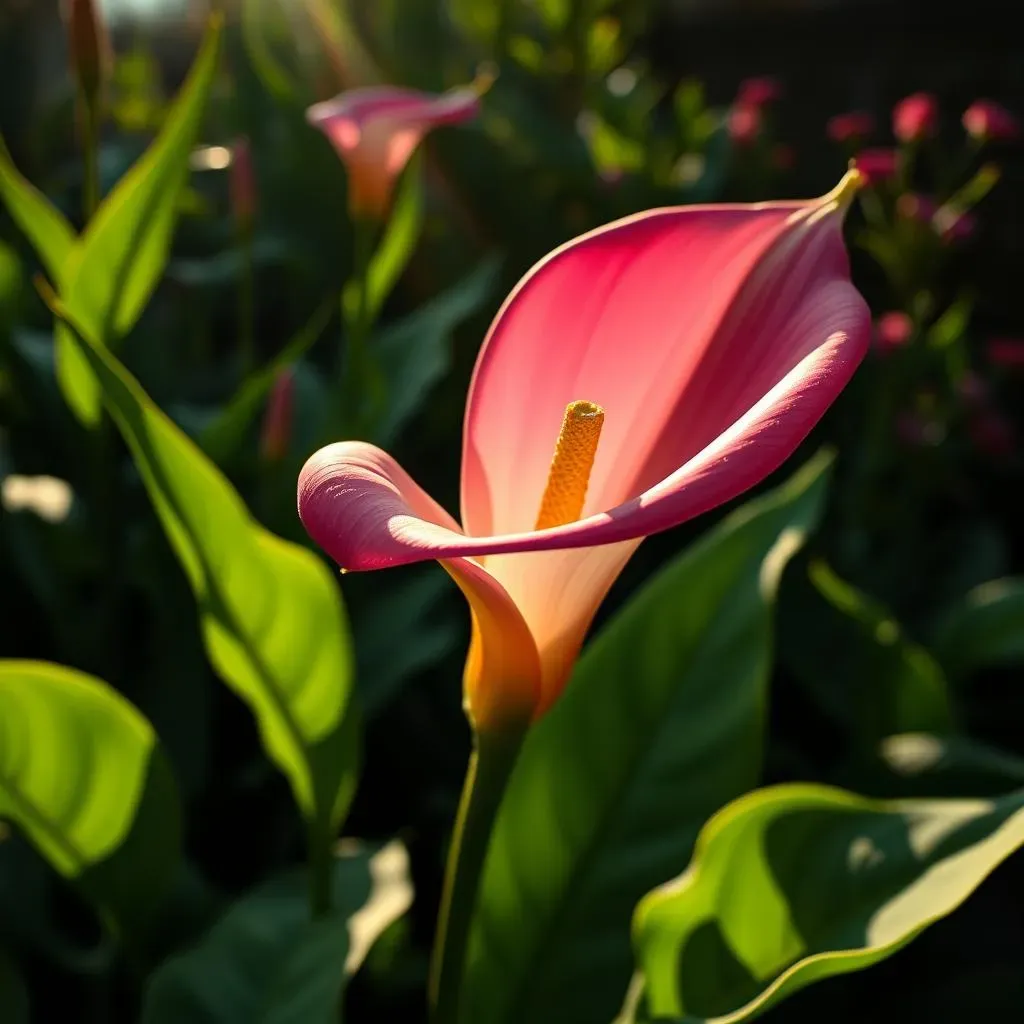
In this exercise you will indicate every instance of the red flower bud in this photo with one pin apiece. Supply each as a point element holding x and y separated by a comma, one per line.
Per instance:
<point>1006,352</point>
<point>893,330</point>
<point>242,183</point>
<point>877,165</point>
<point>758,92</point>
<point>915,117</point>
<point>851,127</point>
<point>88,46</point>
<point>985,119</point>
<point>744,124</point>
<point>277,421</point>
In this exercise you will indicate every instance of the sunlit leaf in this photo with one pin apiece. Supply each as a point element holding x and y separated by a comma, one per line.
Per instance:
<point>42,223</point>
<point>795,883</point>
<point>119,259</point>
<point>985,628</point>
<point>265,961</point>
<point>82,776</point>
<point>661,724</point>
<point>271,612</point>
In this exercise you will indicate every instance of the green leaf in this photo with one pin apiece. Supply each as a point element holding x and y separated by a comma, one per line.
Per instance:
<point>662,723</point>
<point>41,222</point>
<point>115,265</point>
<point>258,22</point>
<point>224,434</point>
<point>396,247</point>
<point>853,655</point>
<point>271,612</point>
<point>985,628</point>
<point>13,993</point>
<point>265,961</point>
<point>82,776</point>
<point>951,326</point>
<point>415,353</point>
<point>795,883</point>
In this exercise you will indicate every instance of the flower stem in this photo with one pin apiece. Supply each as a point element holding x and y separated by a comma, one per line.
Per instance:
<point>356,317</point>
<point>90,159</point>
<point>320,864</point>
<point>490,765</point>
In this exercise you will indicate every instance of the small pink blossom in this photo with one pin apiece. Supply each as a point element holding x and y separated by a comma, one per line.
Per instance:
<point>893,330</point>
<point>744,124</point>
<point>758,92</point>
<point>915,117</point>
<point>376,130</point>
<point>851,127</point>
<point>877,165</point>
<point>985,119</point>
<point>1006,352</point>
<point>277,420</point>
<point>242,183</point>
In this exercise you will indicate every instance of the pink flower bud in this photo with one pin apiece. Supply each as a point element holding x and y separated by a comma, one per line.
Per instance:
<point>88,45</point>
<point>915,117</point>
<point>744,124</point>
<point>851,127</point>
<point>1006,352</point>
<point>242,183</point>
<point>877,165</point>
<point>985,119</point>
<point>277,420</point>
<point>893,330</point>
<point>758,92</point>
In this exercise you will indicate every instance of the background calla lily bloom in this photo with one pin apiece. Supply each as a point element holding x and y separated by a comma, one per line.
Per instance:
<point>712,337</point>
<point>376,129</point>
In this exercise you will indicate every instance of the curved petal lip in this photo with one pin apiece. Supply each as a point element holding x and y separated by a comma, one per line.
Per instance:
<point>385,528</point>
<point>406,106</point>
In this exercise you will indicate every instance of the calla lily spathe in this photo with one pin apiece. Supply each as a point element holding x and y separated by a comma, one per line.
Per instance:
<point>713,338</point>
<point>376,129</point>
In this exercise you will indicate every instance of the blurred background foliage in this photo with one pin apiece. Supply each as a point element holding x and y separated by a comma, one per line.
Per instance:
<point>899,634</point>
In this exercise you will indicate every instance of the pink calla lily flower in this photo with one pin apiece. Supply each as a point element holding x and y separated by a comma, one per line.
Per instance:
<point>376,130</point>
<point>709,340</point>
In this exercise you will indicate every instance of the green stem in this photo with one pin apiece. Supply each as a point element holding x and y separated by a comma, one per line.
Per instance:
<point>320,864</point>
<point>356,314</point>
<point>90,159</point>
<point>490,765</point>
<point>246,302</point>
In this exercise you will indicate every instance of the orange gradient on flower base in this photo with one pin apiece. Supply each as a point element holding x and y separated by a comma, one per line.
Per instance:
<point>711,339</point>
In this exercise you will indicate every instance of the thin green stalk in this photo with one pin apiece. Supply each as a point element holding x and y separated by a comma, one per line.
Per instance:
<point>355,308</point>
<point>490,765</point>
<point>321,898</point>
<point>90,159</point>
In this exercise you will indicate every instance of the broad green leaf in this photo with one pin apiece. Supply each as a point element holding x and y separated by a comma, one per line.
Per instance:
<point>271,612</point>
<point>951,326</point>
<point>82,776</point>
<point>795,883</point>
<point>661,724</point>
<point>985,628</point>
<point>853,655</point>
<point>13,993</point>
<point>224,434</point>
<point>265,961</point>
<point>415,353</point>
<point>41,222</point>
<point>115,265</point>
<point>395,249</point>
